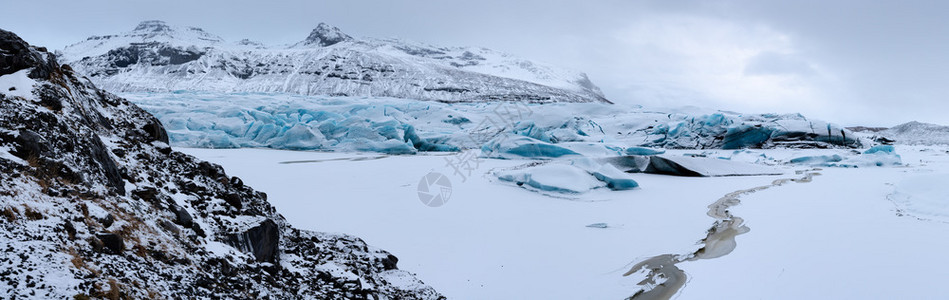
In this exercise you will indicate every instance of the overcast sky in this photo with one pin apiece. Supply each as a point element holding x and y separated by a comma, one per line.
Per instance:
<point>849,62</point>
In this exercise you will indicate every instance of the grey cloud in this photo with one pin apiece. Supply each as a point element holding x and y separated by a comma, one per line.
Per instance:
<point>886,58</point>
<point>772,63</point>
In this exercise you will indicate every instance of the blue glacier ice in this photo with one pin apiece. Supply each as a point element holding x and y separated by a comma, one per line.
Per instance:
<point>881,148</point>
<point>405,126</point>
<point>292,122</point>
<point>614,178</point>
<point>879,156</point>
<point>554,177</point>
<point>509,147</point>
<point>643,151</point>
<point>746,136</point>
<point>731,131</point>
<point>824,160</point>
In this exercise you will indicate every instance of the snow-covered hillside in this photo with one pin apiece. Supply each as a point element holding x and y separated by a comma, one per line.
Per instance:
<point>399,126</point>
<point>95,204</point>
<point>158,57</point>
<point>916,133</point>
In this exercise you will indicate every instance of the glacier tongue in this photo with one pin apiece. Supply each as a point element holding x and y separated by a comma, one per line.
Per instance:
<point>500,130</point>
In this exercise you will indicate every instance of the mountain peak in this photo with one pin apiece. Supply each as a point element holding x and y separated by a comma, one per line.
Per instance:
<point>153,26</point>
<point>326,35</point>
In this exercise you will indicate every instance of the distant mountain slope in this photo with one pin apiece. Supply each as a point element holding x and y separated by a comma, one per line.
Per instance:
<point>157,57</point>
<point>917,133</point>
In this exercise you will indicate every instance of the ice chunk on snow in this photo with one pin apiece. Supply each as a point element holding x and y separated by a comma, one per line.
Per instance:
<point>614,178</point>
<point>874,159</point>
<point>824,160</point>
<point>924,197</point>
<point>643,151</point>
<point>559,178</point>
<point>593,149</point>
<point>508,147</point>
<point>879,156</point>
<point>881,148</point>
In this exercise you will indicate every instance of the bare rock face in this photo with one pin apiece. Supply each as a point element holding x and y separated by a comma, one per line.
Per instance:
<point>263,241</point>
<point>94,203</point>
<point>325,35</point>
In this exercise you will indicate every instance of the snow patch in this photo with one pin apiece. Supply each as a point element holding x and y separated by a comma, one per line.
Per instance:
<point>17,84</point>
<point>924,197</point>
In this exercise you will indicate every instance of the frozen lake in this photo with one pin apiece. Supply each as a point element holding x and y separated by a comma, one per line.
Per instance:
<point>839,236</point>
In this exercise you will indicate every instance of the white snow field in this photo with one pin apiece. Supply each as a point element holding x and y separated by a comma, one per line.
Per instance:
<point>850,233</point>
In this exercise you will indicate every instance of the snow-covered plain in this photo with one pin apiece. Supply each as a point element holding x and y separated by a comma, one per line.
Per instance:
<point>840,236</point>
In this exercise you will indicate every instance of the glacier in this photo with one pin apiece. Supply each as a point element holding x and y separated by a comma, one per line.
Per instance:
<point>499,130</point>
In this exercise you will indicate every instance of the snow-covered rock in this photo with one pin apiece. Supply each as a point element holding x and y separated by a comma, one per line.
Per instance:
<point>156,56</point>
<point>94,203</point>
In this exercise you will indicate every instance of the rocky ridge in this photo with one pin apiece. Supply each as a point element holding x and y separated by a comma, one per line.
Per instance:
<point>94,203</point>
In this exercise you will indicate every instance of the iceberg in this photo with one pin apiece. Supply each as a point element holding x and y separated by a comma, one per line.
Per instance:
<point>614,178</point>
<point>558,178</point>
<point>511,147</point>
<point>889,149</point>
<point>824,160</point>
<point>643,151</point>
<point>607,173</point>
<point>574,176</point>
<point>878,156</point>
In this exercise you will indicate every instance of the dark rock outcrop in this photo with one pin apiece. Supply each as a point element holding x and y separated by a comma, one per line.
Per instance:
<point>325,35</point>
<point>262,241</point>
<point>111,243</point>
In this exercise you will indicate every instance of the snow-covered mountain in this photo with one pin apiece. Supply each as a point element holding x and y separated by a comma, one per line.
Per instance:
<point>95,204</point>
<point>917,133</point>
<point>157,57</point>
